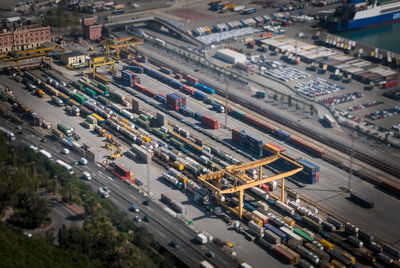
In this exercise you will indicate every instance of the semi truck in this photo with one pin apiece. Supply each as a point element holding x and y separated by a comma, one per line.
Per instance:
<point>57,101</point>
<point>66,130</point>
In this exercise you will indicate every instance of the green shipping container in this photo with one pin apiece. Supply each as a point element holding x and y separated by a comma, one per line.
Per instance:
<point>176,143</point>
<point>90,92</point>
<point>3,97</point>
<point>312,224</point>
<point>79,98</point>
<point>303,234</point>
<point>103,100</point>
<point>159,133</point>
<point>102,86</point>
<point>144,117</point>
<point>141,122</point>
<point>77,85</point>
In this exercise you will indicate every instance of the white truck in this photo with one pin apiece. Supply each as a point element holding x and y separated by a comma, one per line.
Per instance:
<point>201,238</point>
<point>104,194</point>
<point>46,153</point>
<point>57,101</point>
<point>10,136</point>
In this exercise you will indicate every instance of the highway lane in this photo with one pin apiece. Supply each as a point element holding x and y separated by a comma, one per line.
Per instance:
<point>164,227</point>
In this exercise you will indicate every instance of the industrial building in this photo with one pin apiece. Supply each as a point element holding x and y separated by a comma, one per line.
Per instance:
<point>24,37</point>
<point>90,29</point>
<point>73,57</point>
<point>230,56</point>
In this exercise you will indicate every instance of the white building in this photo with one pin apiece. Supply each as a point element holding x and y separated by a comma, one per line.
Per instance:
<point>230,56</point>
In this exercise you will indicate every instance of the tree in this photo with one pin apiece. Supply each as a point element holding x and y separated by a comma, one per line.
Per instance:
<point>275,96</point>
<point>311,109</point>
<point>290,100</point>
<point>282,97</point>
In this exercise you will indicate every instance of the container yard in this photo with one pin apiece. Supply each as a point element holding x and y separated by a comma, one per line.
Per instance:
<point>186,128</point>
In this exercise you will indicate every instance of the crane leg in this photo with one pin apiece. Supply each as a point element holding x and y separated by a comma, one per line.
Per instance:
<point>241,203</point>
<point>283,190</point>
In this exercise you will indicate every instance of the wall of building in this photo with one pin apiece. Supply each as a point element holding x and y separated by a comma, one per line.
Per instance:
<point>24,38</point>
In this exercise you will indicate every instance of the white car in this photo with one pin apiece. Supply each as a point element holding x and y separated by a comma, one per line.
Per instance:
<point>86,175</point>
<point>83,161</point>
<point>65,151</point>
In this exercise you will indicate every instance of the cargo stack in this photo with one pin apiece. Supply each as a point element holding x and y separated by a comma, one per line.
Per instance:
<point>310,172</point>
<point>128,78</point>
<point>210,122</point>
<point>175,101</point>
<point>192,81</point>
<point>238,136</point>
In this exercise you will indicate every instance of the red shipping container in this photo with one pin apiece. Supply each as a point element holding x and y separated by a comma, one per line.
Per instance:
<point>284,255</point>
<point>265,35</point>
<point>165,96</point>
<point>267,127</point>
<point>149,92</point>
<point>210,122</point>
<point>192,80</point>
<point>252,120</point>
<point>306,146</point>
<point>265,187</point>
<point>133,62</point>
<point>390,84</point>
<point>121,172</point>
<point>277,146</point>
<point>187,89</point>
<point>179,76</point>
<point>236,136</point>
<point>317,176</point>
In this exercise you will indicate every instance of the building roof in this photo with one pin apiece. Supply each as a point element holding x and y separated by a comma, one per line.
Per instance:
<point>73,54</point>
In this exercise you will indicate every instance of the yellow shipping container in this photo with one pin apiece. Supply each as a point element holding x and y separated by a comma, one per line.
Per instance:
<point>326,244</point>
<point>289,221</point>
<point>146,139</point>
<point>208,29</point>
<point>337,264</point>
<point>179,165</point>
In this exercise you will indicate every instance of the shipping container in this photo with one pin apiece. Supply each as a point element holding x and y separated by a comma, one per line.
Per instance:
<point>210,122</point>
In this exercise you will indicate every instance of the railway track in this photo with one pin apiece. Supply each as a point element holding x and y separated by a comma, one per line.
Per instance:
<point>335,150</point>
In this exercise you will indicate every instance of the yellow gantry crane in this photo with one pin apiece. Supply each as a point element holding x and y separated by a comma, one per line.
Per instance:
<point>117,44</point>
<point>213,181</point>
<point>43,52</point>
<point>100,61</point>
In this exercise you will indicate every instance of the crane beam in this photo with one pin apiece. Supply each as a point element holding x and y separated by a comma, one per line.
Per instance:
<point>258,182</point>
<point>254,164</point>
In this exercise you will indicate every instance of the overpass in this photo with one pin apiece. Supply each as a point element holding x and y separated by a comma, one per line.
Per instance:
<point>156,24</point>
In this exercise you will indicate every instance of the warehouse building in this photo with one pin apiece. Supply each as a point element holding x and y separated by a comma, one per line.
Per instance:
<point>230,56</point>
<point>73,57</point>
<point>24,37</point>
<point>90,29</point>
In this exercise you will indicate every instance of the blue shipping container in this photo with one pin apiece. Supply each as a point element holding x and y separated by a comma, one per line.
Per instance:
<point>312,165</point>
<point>276,231</point>
<point>161,98</point>
<point>282,134</point>
<point>237,113</point>
<point>198,116</point>
<point>199,95</point>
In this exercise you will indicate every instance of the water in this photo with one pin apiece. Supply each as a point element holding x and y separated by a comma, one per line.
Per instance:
<point>386,36</point>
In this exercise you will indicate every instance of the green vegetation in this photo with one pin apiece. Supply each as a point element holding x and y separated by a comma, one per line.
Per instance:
<point>109,238</point>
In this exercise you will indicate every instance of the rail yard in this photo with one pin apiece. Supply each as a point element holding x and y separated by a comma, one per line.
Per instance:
<point>175,134</point>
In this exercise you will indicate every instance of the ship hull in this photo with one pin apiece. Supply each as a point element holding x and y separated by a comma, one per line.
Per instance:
<point>347,25</point>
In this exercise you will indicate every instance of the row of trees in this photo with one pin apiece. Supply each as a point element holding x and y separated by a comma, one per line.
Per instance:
<point>109,238</point>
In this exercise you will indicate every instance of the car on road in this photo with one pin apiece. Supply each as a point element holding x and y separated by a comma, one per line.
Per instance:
<point>65,151</point>
<point>106,189</point>
<point>134,208</point>
<point>83,161</point>
<point>86,176</point>
<point>137,219</point>
<point>174,244</point>
<point>147,219</point>
<point>34,147</point>
<point>146,202</point>
<point>43,140</point>
<point>103,193</point>
<point>210,254</point>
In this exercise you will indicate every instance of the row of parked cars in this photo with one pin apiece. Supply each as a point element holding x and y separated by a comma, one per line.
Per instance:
<point>341,98</point>
<point>317,87</point>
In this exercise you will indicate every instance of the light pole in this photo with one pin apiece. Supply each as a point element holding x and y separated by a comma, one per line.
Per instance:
<point>351,160</point>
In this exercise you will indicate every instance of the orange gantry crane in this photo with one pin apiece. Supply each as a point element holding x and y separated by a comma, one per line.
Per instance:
<point>242,181</point>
